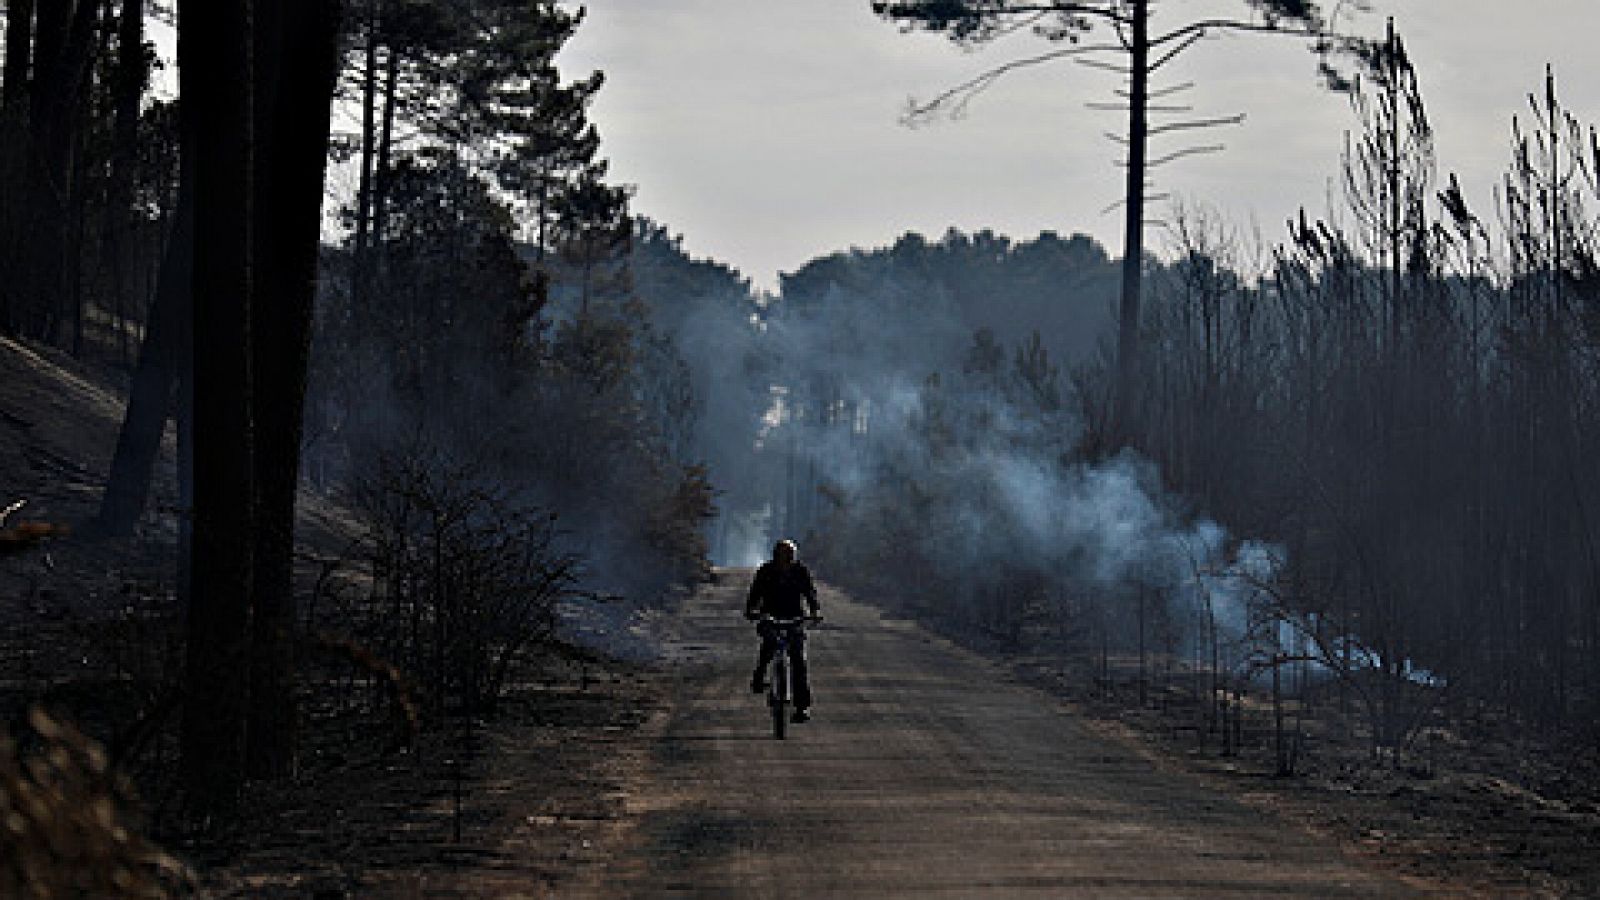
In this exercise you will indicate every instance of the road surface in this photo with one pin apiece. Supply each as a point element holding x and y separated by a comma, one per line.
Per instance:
<point>926,772</point>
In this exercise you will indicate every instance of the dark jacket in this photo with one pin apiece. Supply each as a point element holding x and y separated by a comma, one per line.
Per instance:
<point>779,593</point>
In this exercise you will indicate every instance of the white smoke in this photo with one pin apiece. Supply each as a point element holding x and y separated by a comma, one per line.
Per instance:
<point>1009,490</point>
<point>865,385</point>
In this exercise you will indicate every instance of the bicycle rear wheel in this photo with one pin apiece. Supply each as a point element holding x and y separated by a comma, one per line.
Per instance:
<point>778,696</point>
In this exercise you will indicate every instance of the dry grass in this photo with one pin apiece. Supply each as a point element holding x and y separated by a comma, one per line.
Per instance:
<point>68,829</point>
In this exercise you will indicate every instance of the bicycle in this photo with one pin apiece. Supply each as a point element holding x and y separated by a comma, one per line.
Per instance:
<point>778,673</point>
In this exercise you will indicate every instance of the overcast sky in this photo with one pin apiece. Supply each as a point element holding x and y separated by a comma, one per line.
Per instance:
<point>767,131</point>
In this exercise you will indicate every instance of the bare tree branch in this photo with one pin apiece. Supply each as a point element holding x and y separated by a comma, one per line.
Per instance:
<point>1204,25</point>
<point>960,95</point>
<point>1197,123</point>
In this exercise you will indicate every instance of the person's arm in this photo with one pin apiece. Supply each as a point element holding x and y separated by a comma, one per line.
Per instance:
<point>752,600</point>
<point>810,591</point>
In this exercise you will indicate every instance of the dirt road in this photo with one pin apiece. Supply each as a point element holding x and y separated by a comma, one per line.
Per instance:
<point>926,772</point>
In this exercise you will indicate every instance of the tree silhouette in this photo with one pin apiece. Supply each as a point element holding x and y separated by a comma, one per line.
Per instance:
<point>1069,23</point>
<point>255,134</point>
<point>296,44</point>
<point>214,71</point>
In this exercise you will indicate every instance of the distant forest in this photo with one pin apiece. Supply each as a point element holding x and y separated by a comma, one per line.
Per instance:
<point>1363,448</point>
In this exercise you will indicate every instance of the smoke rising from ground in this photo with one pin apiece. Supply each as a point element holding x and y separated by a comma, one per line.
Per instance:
<point>918,457</point>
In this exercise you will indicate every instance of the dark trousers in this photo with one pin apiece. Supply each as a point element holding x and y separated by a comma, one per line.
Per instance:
<point>799,681</point>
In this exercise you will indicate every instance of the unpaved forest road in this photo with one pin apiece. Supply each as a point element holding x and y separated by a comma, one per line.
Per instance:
<point>925,772</point>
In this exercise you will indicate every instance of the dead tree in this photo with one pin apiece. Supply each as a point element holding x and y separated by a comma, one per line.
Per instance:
<point>1067,22</point>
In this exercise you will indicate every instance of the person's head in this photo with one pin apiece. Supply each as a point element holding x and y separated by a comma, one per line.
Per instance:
<point>785,552</point>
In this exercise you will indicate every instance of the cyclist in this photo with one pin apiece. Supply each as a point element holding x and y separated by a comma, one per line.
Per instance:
<point>780,586</point>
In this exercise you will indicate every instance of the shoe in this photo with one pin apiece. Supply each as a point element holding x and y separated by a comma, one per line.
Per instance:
<point>800,715</point>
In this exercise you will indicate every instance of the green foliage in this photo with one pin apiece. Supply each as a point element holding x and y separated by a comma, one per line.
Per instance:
<point>1064,288</point>
<point>464,352</point>
<point>479,78</point>
<point>707,371</point>
<point>487,310</point>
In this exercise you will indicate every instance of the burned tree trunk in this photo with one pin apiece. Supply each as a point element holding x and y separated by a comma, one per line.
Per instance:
<point>295,93</point>
<point>1125,404</point>
<point>150,396</point>
<point>361,253</point>
<point>13,153</point>
<point>119,217</point>
<point>214,55</point>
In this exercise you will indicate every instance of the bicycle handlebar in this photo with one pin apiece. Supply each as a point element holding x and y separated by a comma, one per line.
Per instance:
<point>767,618</point>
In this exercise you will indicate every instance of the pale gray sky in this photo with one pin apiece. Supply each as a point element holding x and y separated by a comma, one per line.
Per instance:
<point>766,131</point>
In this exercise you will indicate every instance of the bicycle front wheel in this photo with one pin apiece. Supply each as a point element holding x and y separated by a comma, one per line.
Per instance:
<point>777,697</point>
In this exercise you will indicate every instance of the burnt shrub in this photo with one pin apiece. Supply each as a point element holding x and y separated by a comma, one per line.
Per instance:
<point>459,577</point>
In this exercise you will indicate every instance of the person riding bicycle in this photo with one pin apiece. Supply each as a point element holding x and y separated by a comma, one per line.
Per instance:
<point>778,590</point>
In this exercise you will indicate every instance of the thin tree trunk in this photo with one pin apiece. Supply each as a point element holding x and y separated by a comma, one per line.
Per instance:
<point>52,21</point>
<point>19,51</point>
<point>13,152</point>
<point>76,294</point>
<point>381,177</point>
<point>72,252</point>
<point>214,55</point>
<point>1125,404</point>
<point>65,39</point>
<point>1279,744</point>
<point>39,194</point>
<point>150,399</point>
<point>151,394</point>
<point>369,133</point>
<point>129,86</point>
<point>183,421</point>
